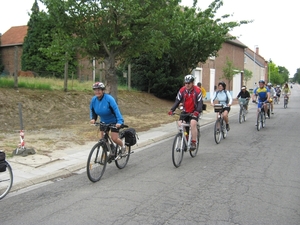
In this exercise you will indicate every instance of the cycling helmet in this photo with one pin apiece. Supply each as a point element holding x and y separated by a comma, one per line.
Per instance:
<point>189,78</point>
<point>98,85</point>
<point>278,86</point>
<point>261,81</point>
<point>244,87</point>
<point>269,84</point>
<point>223,84</point>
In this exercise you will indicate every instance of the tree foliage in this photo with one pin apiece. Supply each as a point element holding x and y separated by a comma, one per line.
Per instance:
<point>247,75</point>
<point>229,71</point>
<point>36,55</point>
<point>277,74</point>
<point>113,30</point>
<point>296,77</point>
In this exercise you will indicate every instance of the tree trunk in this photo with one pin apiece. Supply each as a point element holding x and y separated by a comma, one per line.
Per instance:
<point>111,81</point>
<point>66,74</point>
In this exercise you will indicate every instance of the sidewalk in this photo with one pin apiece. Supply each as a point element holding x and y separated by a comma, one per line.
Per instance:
<point>35,169</point>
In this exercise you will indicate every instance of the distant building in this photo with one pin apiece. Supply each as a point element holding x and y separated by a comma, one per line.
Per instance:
<point>11,49</point>
<point>258,65</point>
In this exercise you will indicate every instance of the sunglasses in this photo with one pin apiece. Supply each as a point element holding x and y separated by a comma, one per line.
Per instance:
<point>187,82</point>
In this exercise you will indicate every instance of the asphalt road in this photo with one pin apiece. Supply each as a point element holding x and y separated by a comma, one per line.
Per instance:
<point>252,177</point>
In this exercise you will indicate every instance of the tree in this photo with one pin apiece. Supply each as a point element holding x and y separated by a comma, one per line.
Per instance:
<point>229,71</point>
<point>247,75</point>
<point>296,77</point>
<point>37,55</point>
<point>195,35</point>
<point>113,30</point>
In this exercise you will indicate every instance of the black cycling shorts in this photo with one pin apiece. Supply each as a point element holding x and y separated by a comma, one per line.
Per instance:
<point>115,130</point>
<point>187,119</point>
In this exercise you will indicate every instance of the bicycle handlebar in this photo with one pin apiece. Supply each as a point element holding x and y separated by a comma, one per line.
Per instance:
<point>110,125</point>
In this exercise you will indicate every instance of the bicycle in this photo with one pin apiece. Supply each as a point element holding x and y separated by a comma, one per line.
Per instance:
<point>105,151</point>
<point>183,139</point>
<point>275,99</point>
<point>242,115</point>
<point>261,116</point>
<point>220,126</point>
<point>6,178</point>
<point>285,101</point>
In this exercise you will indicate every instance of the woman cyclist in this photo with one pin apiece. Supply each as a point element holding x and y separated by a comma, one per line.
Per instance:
<point>105,106</point>
<point>224,98</point>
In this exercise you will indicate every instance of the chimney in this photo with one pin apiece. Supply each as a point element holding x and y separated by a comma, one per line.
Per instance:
<point>257,51</point>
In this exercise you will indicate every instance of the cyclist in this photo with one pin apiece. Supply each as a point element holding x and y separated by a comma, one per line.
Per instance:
<point>244,94</point>
<point>191,98</point>
<point>272,94</point>
<point>278,92</point>
<point>286,90</point>
<point>224,98</point>
<point>105,106</point>
<point>263,94</point>
<point>203,91</point>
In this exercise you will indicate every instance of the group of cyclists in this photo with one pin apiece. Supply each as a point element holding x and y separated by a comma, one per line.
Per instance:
<point>190,97</point>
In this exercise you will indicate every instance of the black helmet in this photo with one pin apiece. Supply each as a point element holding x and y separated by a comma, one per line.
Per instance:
<point>98,85</point>
<point>223,84</point>
<point>189,78</point>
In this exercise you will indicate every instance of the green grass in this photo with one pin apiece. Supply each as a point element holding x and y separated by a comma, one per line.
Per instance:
<point>40,83</point>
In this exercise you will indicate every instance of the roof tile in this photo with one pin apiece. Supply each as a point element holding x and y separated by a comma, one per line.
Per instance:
<point>14,36</point>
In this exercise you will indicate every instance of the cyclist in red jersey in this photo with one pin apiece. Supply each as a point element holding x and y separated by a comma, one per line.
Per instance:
<point>191,98</point>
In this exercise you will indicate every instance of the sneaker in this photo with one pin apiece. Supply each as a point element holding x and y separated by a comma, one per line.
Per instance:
<point>272,112</point>
<point>255,124</point>
<point>193,146</point>
<point>123,150</point>
<point>227,127</point>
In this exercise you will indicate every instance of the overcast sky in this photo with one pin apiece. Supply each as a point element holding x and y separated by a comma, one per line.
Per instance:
<point>274,29</point>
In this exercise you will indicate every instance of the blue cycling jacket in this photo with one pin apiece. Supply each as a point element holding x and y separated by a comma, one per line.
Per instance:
<point>106,108</point>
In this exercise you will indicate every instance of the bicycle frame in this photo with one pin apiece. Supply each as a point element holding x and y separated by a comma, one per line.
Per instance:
<point>220,127</point>
<point>182,129</point>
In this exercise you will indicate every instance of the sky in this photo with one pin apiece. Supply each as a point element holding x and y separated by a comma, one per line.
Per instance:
<point>273,31</point>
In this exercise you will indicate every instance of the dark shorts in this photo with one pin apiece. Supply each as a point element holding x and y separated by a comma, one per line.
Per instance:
<point>115,130</point>
<point>187,118</point>
<point>226,109</point>
<point>278,95</point>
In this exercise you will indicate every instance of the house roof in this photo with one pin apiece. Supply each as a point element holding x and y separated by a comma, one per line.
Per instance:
<point>14,36</point>
<point>259,60</point>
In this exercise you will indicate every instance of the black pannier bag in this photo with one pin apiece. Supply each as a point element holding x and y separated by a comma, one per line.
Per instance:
<point>130,136</point>
<point>2,162</point>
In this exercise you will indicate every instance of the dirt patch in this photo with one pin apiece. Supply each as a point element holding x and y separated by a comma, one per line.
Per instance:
<point>54,120</point>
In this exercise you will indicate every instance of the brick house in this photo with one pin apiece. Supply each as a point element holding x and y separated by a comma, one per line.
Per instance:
<point>258,65</point>
<point>11,49</point>
<point>210,73</point>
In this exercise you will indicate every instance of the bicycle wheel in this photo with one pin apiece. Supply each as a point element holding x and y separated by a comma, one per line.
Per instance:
<point>268,113</point>
<point>241,115</point>
<point>285,103</point>
<point>177,150</point>
<point>263,120</point>
<point>258,121</point>
<point>217,131</point>
<point>96,162</point>
<point>6,181</point>
<point>244,115</point>
<point>224,130</point>
<point>194,152</point>
<point>122,159</point>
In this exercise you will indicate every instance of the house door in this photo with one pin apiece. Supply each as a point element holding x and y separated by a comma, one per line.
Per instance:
<point>198,75</point>
<point>236,81</point>
<point>212,77</point>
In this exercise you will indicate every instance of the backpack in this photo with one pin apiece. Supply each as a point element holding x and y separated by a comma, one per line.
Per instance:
<point>130,136</point>
<point>227,100</point>
<point>2,162</point>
